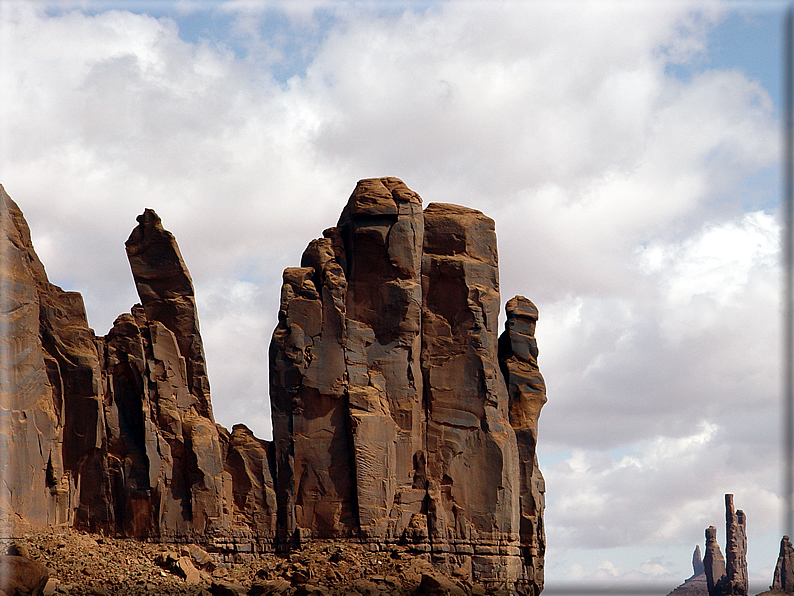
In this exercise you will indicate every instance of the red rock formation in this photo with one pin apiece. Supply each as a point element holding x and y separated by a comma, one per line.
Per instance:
<point>518,353</point>
<point>696,585</point>
<point>735,548</point>
<point>166,291</point>
<point>473,480</point>
<point>391,416</point>
<point>728,575</point>
<point>784,570</point>
<point>713,563</point>
<point>398,415</point>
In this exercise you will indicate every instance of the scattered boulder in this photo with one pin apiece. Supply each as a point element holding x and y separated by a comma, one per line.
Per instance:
<point>20,576</point>
<point>434,584</point>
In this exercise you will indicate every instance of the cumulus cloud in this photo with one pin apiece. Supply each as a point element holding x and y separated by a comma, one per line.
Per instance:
<point>616,189</point>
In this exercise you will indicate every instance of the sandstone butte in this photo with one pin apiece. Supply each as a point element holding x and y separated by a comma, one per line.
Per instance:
<point>398,414</point>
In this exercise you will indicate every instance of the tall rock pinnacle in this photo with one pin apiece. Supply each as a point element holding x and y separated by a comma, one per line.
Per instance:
<point>728,575</point>
<point>392,419</point>
<point>166,291</point>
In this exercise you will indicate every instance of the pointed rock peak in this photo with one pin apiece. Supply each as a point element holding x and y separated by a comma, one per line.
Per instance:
<point>697,562</point>
<point>784,570</point>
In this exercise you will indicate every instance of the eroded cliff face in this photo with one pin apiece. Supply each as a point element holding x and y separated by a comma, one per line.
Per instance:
<point>398,413</point>
<point>115,433</point>
<point>391,412</point>
<point>52,425</point>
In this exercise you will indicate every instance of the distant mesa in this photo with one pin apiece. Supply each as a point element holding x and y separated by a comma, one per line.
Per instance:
<point>399,416</point>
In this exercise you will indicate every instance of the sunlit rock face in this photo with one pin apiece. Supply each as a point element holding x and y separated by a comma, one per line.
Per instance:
<point>392,417</point>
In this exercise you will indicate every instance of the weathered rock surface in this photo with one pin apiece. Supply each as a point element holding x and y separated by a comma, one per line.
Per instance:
<point>518,353</point>
<point>391,412</point>
<point>399,416</point>
<point>727,575</point>
<point>115,433</point>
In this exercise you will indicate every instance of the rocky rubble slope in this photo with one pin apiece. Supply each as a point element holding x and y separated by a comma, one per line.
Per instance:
<point>86,565</point>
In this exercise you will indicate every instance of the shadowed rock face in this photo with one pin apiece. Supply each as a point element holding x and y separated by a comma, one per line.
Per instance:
<point>392,418</point>
<point>398,414</point>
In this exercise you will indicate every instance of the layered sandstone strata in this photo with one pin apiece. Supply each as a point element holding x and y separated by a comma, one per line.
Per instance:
<point>727,575</point>
<point>784,569</point>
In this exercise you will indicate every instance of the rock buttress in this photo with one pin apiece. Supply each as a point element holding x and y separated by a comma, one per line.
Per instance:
<point>345,380</point>
<point>727,576</point>
<point>518,354</point>
<point>381,229</point>
<point>473,479</point>
<point>391,416</point>
<point>164,456</point>
<point>52,424</point>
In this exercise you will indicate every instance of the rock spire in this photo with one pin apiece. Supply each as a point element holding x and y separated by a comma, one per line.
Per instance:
<point>398,414</point>
<point>727,575</point>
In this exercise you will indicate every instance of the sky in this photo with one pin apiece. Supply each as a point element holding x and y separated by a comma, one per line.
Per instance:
<point>628,152</point>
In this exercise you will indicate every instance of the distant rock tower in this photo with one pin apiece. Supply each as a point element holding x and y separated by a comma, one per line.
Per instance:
<point>695,585</point>
<point>697,562</point>
<point>784,570</point>
<point>727,576</point>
